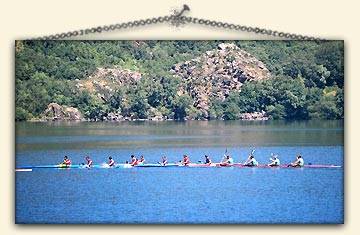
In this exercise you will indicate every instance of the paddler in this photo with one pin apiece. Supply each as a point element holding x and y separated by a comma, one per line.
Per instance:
<point>207,160</point>
<point>275,161</point>
<point>141,161</point>
<point>89,162</point>
<point>299,162</point>
<point>67,161</point>
<point>251,161</point>
<point>111,162</point>
<point>228,160</point>
<point>186,160</point>
<point>133,161</point>
<point>164,161</point>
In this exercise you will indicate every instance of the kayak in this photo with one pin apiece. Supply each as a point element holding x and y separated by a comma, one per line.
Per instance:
<point>191,165</point>
<point>240,165</point>
<point>80,166</point>
<point>157,165</point>
<point>287,166</point>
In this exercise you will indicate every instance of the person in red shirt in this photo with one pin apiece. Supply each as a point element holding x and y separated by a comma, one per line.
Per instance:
<point>141,161</point>
<point>133,161</point>
<point>111,162</point>
<point>67,161</point>
<point>186,160</point>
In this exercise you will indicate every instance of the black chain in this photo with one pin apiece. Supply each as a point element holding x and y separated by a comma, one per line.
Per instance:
<point>176,19</point>
<point>243,28</point>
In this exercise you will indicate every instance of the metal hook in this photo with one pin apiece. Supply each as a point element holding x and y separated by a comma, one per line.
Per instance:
<point>185,8</point>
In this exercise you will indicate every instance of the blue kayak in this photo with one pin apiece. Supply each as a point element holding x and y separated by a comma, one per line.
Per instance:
<point>79,166</point>
<point>157,165</point>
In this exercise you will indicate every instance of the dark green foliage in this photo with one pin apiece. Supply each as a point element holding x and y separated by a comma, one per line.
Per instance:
<point>231,111</point>
<point>329,106</point>
<point>138,104</point>
<point>307,83</point>
<point>22,114</point>
<point>216,109</point>
<point>276,111</point>
<point>180,106</point>
<point>92,108</point>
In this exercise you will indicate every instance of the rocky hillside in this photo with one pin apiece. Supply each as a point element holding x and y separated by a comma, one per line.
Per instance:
<point>218,72</point>
<point>106,80</point>
<point>180,80</point>
<point>213,75</point>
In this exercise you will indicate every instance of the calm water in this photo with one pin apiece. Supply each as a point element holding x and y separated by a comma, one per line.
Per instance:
<point>179,195</point>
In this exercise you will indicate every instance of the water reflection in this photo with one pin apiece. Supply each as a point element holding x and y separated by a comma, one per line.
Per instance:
<point>30,136</point>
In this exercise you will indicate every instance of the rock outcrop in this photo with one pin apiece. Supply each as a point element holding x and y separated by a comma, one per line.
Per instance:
<point>213,75</point>
<point>114,117</point>
<point>155,115</point>
<point>106,80</point>
<point>55,112</point>
<point>218,72</point>
<point>262,116</point>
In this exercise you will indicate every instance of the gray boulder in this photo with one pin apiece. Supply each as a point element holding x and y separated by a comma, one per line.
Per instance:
<point>55,112</point>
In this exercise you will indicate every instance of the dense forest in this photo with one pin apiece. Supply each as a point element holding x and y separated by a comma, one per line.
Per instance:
<point>307,79</point>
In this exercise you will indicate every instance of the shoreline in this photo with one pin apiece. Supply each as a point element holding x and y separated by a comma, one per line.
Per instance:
<point>169,120</point>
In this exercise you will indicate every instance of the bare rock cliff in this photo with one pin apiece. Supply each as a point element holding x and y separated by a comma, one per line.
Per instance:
<point>218,72</point>
<point>56,112</point>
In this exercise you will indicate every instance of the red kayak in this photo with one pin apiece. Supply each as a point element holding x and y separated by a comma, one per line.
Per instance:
<point>240,165</point>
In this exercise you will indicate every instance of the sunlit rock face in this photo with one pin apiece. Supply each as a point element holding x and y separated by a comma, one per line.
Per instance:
<point>218,72</point>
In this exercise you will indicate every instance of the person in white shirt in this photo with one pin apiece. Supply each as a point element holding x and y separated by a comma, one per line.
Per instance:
<point>227,161</point>
<point>251,161</point>
<point>299,162</point>
<point>275,161</point>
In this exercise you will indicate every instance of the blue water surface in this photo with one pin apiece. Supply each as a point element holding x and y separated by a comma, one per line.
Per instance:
<point>182,195</point>
<point>178,195</point>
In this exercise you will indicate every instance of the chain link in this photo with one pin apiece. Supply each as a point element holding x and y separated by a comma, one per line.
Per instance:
<point>176,19</point>
<point>107,28</point>
<point>237,27</point>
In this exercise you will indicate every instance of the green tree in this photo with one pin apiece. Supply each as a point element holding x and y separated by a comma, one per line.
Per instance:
<point>305,76</point>
<point>276,111</point>
<point>181,105</point>
<point>21,114</point>
<point>138,104</point>
<point>216,109</point>
<point>231,112</point>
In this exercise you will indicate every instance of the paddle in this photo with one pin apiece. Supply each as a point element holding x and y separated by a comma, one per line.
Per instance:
<point>272,156</point>
<point>251,154</point>
<point>224,157</point>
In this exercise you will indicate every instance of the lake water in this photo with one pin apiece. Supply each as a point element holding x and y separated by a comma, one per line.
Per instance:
<point>180,195</point>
